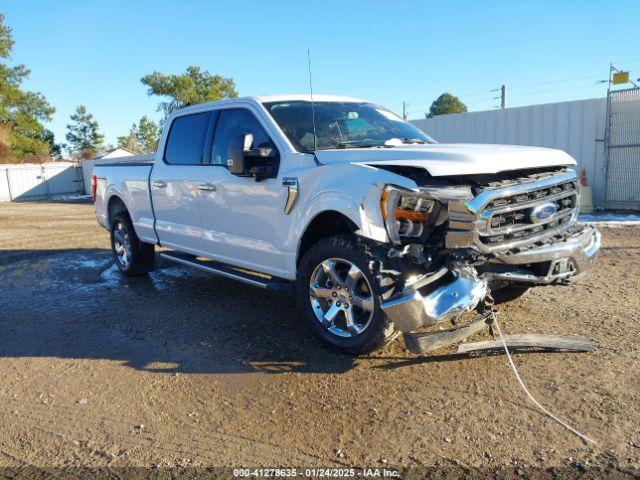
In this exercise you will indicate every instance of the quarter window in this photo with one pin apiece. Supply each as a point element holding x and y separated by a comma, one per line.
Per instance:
<point>185,144</point>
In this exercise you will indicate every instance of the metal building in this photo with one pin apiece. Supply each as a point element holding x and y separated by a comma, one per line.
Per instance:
<point>576,127</point>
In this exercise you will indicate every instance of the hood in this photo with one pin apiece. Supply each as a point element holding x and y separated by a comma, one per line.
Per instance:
<point>442,159</point>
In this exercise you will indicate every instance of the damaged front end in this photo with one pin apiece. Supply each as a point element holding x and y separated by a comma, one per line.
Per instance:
<point>440,297</point>
<point>454,243</point>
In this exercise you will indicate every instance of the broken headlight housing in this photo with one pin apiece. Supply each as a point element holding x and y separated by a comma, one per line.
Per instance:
<point>405,212</point>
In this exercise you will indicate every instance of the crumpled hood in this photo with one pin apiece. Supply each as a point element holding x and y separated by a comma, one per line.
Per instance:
<point>442,159</point>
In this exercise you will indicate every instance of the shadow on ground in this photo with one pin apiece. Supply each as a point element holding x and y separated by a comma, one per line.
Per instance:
<point>75,304</point>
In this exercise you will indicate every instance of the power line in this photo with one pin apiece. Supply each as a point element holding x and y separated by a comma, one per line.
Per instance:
<point>488,94</point>
<point>488,90</point>
<point>633,60</point>
<point>551,82</point>
<point>561,89</point>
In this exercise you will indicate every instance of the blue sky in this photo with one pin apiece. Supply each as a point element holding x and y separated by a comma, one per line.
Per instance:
<point>94,53</point>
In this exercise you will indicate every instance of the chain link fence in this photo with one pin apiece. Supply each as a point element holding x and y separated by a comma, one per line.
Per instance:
<point>622,142</point>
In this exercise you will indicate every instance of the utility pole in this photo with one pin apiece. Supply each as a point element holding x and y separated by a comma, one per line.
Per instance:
<point>502,97</point>
<point>404,110</point>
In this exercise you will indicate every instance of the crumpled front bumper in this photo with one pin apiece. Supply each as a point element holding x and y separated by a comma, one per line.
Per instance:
<point>463,287</point>
<point>444,299</point>
<point>566,257</point>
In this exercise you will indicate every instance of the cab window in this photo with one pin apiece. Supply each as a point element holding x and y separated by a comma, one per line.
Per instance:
<point>230,124</point>
<point>185,143</point>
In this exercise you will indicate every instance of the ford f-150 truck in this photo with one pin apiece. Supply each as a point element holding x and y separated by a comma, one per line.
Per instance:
<point>377,228</point>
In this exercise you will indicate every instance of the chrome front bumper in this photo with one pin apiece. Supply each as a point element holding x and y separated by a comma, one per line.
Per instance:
<point>440,301</point>
<point>567,257</point>
<point>429,305</point>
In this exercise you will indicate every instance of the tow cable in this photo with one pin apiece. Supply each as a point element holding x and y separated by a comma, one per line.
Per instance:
<point>494,322</point>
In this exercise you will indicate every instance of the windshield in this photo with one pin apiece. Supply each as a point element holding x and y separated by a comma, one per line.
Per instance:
<point>342,125</point>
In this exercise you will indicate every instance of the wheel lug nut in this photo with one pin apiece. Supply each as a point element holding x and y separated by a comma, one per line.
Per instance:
<point>334,294</point>
<point>338,303</point>
<point>339,287</point>
<point>350,298</point>
<point>346,306</point>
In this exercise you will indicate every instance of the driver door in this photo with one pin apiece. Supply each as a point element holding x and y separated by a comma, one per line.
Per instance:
<point>240,218</point>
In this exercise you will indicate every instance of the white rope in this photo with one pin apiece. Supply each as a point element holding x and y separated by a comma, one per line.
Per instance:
<point>526,390</point>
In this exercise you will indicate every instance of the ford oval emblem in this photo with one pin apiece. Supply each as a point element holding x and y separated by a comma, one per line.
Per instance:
<point>542,212</point>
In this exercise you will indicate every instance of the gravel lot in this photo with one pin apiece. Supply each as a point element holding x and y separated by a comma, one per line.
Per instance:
<point>189,370</point>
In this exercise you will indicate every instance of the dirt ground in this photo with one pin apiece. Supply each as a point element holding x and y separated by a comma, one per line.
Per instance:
<point>182,369</point>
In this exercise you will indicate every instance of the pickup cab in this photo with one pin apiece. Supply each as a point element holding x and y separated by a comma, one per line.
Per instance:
<point>373,225</point>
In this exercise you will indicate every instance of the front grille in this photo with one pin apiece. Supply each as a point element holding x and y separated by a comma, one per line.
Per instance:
<point>509,218</point>
<point>533,196</point>
<point>501,218</point>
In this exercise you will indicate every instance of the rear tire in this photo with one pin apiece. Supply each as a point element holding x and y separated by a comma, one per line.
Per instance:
<point>340,297</point>
<point>132,256</point>
<point>508,293</point>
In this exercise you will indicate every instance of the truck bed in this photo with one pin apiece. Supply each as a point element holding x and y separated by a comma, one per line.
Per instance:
<point>125,164</point>
<point>130,182</point>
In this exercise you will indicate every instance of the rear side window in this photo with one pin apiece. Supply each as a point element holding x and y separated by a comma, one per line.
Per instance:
<point>185,144</point>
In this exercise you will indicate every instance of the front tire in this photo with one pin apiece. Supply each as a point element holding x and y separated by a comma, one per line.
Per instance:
<point>340,297</point>
<point>132,256</point>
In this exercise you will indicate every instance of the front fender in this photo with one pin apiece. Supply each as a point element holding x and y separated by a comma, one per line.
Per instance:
<point>352,190</point>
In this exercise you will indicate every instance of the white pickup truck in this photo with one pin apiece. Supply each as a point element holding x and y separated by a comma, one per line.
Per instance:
<point>377,228</point>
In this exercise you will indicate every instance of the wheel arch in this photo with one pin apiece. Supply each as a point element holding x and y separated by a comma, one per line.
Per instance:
<point>325,224</point>
<point>115,205</point>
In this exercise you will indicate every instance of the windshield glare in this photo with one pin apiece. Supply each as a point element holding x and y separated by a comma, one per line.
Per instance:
<point>342,125</point>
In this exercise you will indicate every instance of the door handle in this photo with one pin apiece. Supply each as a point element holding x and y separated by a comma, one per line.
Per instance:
<point>207,187</point>
<point>160,184</point>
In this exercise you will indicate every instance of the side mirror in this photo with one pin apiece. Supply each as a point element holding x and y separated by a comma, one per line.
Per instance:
<point>236,159</point>
<point>261,152</point>
<point>260,162</point>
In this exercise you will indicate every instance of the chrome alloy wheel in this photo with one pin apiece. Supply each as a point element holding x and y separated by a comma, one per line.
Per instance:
<point>341,297</point>
<point>122,244</point>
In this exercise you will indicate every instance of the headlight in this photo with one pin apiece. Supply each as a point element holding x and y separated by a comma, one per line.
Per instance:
<point>404,212</point>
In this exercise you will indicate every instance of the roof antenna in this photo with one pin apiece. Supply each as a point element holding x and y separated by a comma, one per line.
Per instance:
<point>313,110</point>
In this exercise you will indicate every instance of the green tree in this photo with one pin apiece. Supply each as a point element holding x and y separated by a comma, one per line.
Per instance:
<point>142,138</point>
<point>194,86</point>
<point>148,134</point>
<point>55,149</point>
<point>83,134</point>
<point>21,112</point>
<point>446,103</point>
<point>130,142</point>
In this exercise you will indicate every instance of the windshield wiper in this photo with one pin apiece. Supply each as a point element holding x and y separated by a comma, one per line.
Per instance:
<point>414,140</point>
<point>358,144</point>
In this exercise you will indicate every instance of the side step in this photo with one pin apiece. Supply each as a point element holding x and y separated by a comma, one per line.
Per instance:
<point>256,279</point>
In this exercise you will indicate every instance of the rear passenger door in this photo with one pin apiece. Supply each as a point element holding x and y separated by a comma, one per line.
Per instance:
<point>177,182</point>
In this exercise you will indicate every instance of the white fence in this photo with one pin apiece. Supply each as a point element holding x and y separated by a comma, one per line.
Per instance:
<point>87,165</point>
<point>34,180</point>
<point>576,127</point>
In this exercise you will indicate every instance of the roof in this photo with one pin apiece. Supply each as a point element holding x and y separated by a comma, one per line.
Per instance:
<point>305,98</point>
<point>119,151</point>
<point>264,99</point>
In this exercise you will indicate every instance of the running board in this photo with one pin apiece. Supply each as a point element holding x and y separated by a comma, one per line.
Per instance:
<point>256,279</point>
